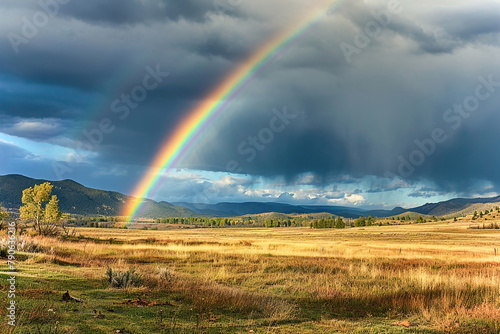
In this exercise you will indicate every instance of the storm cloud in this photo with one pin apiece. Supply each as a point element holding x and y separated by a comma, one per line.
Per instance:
<point>357,116</point>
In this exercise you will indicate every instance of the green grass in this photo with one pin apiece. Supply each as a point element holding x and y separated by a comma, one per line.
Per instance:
<point>445,280</point>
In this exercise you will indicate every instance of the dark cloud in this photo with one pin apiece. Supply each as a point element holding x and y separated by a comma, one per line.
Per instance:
<point>426,192</point>
<point>380,187</point>
<point>352,120</point>
<point>130,12</point>
<point>37,129</point>
<point>469,157</point>
<point>470,22</point>
<point>444,30</point>
<point>24,100</point>
<point>133,12</point>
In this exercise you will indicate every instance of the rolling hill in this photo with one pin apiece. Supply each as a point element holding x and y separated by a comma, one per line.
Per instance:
<point>454,206</point>
<point>239,209</point>
<point>77,199</point>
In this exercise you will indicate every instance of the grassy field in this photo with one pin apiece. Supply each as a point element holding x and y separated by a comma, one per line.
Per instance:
<point>427,278</point>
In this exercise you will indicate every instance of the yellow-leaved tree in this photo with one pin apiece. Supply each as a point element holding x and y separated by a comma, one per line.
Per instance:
<point>41,208</point>
<point>3,215</point>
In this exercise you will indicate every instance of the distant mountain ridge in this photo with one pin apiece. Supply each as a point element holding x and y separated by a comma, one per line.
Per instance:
<point>77,199</point>
<point>240,209</point>
<point>448,207</point>
<point>452,205</point>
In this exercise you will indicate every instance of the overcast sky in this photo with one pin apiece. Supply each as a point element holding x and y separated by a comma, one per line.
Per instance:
<point>378,103</point>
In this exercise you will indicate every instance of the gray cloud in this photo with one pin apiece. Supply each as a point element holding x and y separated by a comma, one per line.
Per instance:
<point>133,12</point>
<point>470,21</point>
<point>38,129</point>
<point>352,120</point>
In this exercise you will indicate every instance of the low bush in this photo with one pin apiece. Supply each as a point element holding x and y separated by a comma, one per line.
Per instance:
<point>122,279</point>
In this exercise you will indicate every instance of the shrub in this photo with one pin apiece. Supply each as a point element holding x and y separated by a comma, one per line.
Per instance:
<point>339,223</point>
<point>361,221</point>
<point>151,240</point>
<point>122,279</point>
<point>165,274</point>
<point>24,244</point>
<point>161,278</point>
<point>3,252</point>
<point>29,246</point>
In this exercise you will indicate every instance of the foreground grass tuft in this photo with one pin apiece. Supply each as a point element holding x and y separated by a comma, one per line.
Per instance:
<point>122,279</point>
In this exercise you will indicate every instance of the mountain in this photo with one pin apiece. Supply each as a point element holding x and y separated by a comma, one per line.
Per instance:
<point>77,199</point>
<point>207,209</point>
<point>452,206</point>
<point>239,209</point>
<point>479,207</point>
<point>180,211</point>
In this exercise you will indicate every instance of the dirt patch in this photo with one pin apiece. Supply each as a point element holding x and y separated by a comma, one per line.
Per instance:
<point>403,324</point>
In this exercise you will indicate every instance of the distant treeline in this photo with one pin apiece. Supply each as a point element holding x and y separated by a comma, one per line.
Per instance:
<point>270,220</point>
<point>93,221</point>
<point>258,221</point>
<point>328,223</point>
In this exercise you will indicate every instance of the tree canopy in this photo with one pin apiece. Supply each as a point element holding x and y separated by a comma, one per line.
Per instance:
<point>3,213</point>
<point>40,207</point>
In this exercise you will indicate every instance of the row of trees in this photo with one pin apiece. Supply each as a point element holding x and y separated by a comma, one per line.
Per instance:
<point>328,223</point>
<point>247,221</point>
<point>216,222</point>
<point>283,222</point>
<point>364,221</point>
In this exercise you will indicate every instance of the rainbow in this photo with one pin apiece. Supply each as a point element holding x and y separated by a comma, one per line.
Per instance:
<point>176,145</point>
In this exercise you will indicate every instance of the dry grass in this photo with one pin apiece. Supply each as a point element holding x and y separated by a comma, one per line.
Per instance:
<point>442,276</point>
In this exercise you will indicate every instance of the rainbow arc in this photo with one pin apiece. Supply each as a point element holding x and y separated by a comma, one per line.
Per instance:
<point>176,145</point>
